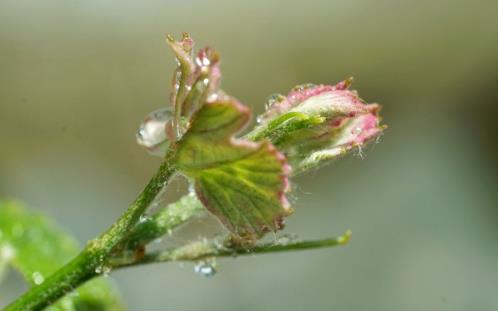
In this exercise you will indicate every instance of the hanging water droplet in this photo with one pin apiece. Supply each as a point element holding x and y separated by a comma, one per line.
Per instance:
<point>206,267</point>
<point>153,132</point>
<point>37,278</point>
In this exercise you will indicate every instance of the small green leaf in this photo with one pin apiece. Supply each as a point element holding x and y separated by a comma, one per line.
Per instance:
<point>241,182</point>
<point>35,247</point>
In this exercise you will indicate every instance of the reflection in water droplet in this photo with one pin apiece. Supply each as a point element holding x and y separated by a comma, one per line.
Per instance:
<point>152,133</point>
<point>37,278</point>
<point>206,267</point>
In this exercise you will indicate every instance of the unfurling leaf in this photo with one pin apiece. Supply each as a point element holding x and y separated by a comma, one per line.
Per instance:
<point>241,182</point>
<point>317,123</point>
<point>36,248</point>
<point>193,80</point>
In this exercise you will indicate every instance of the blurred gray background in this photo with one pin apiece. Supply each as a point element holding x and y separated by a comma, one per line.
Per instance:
<point>77,77</point>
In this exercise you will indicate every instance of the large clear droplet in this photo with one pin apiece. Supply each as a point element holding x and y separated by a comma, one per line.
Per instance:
<point>153,132</point>
<point>206,267</point>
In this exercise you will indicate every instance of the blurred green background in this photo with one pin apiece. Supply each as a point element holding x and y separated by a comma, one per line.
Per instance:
<point>77,77</point>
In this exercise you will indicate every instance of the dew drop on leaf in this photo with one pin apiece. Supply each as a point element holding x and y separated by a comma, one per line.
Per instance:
<point>273,99</point>
<point>153,132</point>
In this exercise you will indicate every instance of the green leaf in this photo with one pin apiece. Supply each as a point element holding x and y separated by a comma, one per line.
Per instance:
<point>241,182</point>
<point>35,247</point>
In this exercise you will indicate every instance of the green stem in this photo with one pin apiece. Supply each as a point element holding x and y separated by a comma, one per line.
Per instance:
<point>163,221</point>
<point>204,249</point>
<point>84,266</point>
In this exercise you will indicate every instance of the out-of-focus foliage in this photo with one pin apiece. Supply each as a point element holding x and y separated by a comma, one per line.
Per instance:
<point>35,247</point>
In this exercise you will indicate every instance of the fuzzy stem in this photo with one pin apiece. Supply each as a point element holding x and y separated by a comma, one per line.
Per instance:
<point>82,268</point>
<point>204,249</point>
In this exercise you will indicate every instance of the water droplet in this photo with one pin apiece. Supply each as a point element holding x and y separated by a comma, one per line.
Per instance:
<point>206,267</point>
<point>202,60</point>
<point>37,278</point>
<point>103,270</point>
<point>273,99</point>
<point>143,218</point>
<point>153,132</point>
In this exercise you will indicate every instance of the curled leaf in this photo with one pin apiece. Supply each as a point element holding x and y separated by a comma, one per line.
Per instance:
<point>241,182</point>
<point>194,79</point>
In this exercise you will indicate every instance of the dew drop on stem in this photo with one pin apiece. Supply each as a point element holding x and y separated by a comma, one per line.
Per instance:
<point>153,133</point>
